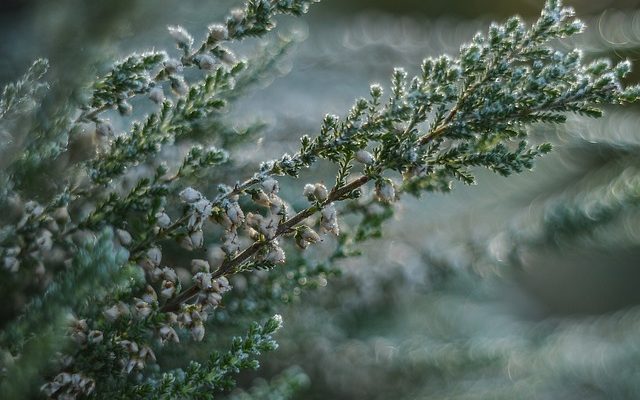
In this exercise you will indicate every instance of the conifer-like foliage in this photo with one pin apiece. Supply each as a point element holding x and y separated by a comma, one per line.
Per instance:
<point>111,272</point>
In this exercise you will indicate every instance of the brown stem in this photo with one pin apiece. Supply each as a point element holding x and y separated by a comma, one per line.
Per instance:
<point>229,265</point>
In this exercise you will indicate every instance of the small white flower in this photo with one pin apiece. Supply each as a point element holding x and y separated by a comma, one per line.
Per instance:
<point>235,214</point>
<point>142,308</point>
<point>197,239</point>
<point>270,186</point>
<point>197,331</point>
<point>162,220</point>
<point>198,265</point>
<point>190,195</point>
<point>203,207</point>
<point>364,157</point>
<point>275,255</point>
<point>124,237</point>
<point>154,255</point>
<point>203,280</point>
<point>329,220</point>
<point>167,289</point>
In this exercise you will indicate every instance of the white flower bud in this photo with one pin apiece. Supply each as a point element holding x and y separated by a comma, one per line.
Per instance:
<point>154,255</point>
<point>275,255</point>
<point>198,265</point>
<point>124,237</point>
<point>223,284</point>
<point>162,220</point>
<point>203,207</point>
<point>309,234</point>
<point>142,308</point>
<point>385,191</point>
<point>185,243</point>
<point>168,334</point>
<point>197,239</point>
<point>228,57</point>
<point>61,215</point>
<point>197,332</point>
<point>320,191</point>
<point>235,214</point>
<point>180,35</point>
<point>190,195</point>
<point>329,220</point>
<point>167,289</point>
<point>270,186</point>
<point>364,157</point>
<point>206,62</point>
<point>237,14</point>
<point>156,95</point>
<point>203,280</point>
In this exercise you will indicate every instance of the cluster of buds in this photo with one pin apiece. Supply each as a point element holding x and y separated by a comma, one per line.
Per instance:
<point>137,356</point>
<point>69,386</point>
<point>200,211</point>
<point>169,278</point>
<point>317,192</point>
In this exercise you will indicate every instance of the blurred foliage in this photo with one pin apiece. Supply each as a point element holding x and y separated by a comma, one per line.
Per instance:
<point>519,288</point>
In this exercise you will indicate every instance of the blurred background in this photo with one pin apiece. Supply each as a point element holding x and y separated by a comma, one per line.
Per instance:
<point>525,287</point>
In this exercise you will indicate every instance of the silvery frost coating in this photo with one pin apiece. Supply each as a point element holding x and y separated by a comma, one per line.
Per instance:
<point>457,114</point>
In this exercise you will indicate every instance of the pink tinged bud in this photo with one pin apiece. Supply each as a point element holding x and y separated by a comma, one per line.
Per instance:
<point>156,95</point>
<point>162,220</point>
<point>364,157</point>
<point>190,195</point>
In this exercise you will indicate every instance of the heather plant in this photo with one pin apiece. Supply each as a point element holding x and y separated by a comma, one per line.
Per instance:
<point>112,271</point>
